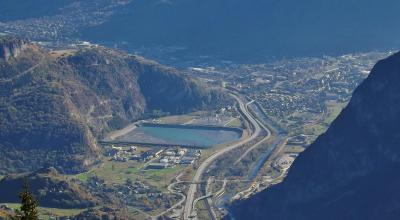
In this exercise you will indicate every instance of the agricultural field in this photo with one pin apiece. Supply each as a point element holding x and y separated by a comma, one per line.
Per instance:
<point>115,173</point>
<point>48,213</point>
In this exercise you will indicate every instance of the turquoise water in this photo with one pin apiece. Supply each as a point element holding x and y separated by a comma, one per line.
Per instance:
<point>200,137</point>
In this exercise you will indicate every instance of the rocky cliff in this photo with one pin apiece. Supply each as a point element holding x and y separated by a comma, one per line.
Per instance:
<point>351,171</point>
<point>10,47</point>
<point>54,106</point>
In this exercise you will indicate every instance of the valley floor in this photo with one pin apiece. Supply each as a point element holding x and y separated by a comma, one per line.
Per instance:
<point>282,108</point>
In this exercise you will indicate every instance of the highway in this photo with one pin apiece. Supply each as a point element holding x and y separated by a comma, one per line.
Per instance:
<point>258,143</point>
<point>187,213</point>
<point>216,195</point>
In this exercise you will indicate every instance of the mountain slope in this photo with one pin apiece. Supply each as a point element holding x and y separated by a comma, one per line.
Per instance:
<point>50,189</point>
<point>53,107</point>
<point>351,171</point>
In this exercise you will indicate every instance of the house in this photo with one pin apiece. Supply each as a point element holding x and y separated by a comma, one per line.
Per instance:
<point>181,152</point>
<point>157,166</point>
<point>146,156</point>
<point>120,158</point>
<point>173,159</point>
<point>169,153</point>
<point>193,153</point>
<point>157,153</point>
<point>135,157</point>
<point>116,148</point>
<point>187,160</point>
<point>112,152</point>
<point>164,160</point>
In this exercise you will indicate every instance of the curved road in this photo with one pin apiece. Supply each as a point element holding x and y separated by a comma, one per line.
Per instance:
<point>258,143</point>
<point>171,189</point>
<point>187,212</point>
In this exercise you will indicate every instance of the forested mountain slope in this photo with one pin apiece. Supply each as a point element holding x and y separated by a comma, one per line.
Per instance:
<point>54,106</point>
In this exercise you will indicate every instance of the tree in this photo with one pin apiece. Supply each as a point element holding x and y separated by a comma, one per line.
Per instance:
<point>29,205</point>
<point>129,182</point>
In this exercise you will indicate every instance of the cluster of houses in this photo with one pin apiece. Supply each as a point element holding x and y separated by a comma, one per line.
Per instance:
<point>121,154</point>
<point>159,158</point>
<point>173,156</point>
<point>138,187</point>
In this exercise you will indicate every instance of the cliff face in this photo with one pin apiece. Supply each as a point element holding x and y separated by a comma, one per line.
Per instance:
<point>53,107</point>
<point>351,171</point>
<point>11,47</point>
<point>165,89</point>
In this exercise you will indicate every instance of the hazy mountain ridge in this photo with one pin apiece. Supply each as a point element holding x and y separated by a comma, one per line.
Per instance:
<point>238,29</point>
<point>225,29</point>
<point>54,106</point>
<point>354,164</point>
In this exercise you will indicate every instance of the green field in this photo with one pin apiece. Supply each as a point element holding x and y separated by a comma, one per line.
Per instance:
<point>46,213</point>
<point>334,109</point>
<point>202,212</point>
<point>294,149</point>
<point>113,172</point>
<point>177,119</point>
<point>236,122</point>
<point>315,130</point>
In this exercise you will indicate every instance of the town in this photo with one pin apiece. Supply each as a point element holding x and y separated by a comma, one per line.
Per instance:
<point>156,157</point>
<point>295,92</point>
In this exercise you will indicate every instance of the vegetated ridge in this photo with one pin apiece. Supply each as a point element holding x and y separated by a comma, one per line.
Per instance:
<point>54,106</point>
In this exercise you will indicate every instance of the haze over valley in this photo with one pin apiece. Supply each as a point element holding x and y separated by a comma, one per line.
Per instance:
<point>189,109</point>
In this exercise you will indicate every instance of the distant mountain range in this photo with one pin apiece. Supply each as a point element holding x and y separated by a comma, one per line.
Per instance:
<point>54,106</point>
<point>226,29</point>
<point>255,29</point>
<point>351,171</point>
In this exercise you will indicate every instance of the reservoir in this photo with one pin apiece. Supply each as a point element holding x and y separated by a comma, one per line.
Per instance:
<point>180,135</point>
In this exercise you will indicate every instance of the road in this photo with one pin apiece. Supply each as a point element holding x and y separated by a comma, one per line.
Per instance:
<point>171,189</point>
<point>22,73</point>
<point>116,134</point>
<point>203,167</point>
<point>258,143</point>
<point>216,195</point>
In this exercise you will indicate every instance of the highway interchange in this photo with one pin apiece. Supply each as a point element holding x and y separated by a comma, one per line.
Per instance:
<point>257,129</point>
